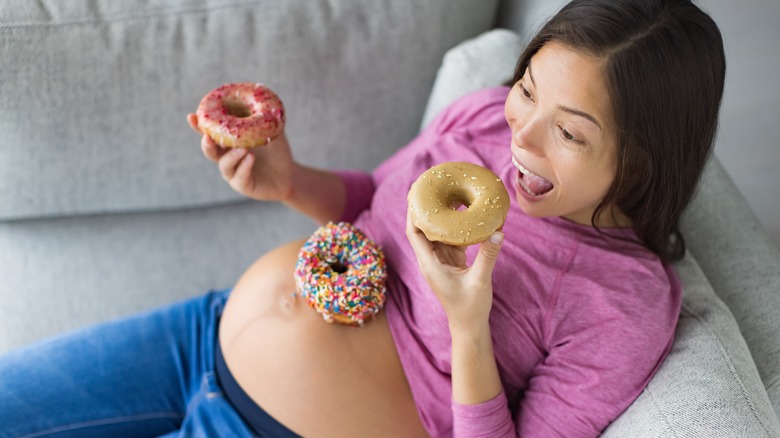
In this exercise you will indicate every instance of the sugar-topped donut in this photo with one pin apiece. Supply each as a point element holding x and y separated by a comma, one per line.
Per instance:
<point>342,274</point>
<point>241,115</point>
<point>458,203</point>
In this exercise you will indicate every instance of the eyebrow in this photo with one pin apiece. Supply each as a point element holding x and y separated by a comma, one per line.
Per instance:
<point>566,109</point>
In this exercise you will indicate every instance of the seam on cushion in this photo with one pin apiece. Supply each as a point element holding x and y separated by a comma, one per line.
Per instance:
<point>661,411</point>
<point>104,422</point>
<point>732,369</point>
<point>132,17</point>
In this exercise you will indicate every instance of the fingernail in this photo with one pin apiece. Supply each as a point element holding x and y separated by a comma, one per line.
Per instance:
<point>496,238</point>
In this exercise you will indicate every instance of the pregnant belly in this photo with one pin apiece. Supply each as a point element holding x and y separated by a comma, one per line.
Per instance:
<point>318,379</point>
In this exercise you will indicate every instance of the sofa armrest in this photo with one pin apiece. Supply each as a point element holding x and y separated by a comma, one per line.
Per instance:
<point>742,264</point>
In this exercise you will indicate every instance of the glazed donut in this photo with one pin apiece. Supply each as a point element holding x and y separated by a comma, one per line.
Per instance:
<point>342,274</point>
<point>458,203</point>
<point>242,115</point>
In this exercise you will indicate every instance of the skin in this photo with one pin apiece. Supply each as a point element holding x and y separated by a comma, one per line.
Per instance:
<point>562,130</point>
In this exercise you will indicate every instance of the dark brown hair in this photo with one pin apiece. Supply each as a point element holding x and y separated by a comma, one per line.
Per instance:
<point>664,66</point>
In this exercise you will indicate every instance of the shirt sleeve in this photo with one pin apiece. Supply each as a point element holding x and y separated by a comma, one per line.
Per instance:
<point>359,189</point>
<point>489,419</point>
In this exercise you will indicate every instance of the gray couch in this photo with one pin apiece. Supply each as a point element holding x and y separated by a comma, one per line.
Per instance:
<point>107,206</point>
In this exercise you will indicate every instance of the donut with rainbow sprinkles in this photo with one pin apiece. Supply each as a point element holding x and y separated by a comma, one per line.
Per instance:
<point>342,274</point>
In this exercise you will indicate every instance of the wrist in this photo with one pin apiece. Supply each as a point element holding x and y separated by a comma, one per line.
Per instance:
<point>319,194</point>
<point>296,170</point>
<point>473,328</point>
<point>472,340</point>
<point>475,377</point>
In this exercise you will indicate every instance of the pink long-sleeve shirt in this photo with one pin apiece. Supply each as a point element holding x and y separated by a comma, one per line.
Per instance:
<point>580,322</point>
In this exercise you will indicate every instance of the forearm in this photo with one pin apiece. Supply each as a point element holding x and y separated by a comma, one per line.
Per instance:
<point>319,194</point>
<point>475,377</point>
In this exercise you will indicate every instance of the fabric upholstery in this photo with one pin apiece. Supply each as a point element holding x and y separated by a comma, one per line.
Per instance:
<point>743,266</point>
<point>495,52</point>
<point>66,273</point>
<point>95,93</point>
<point>113,208</point>
<point>708,385</point>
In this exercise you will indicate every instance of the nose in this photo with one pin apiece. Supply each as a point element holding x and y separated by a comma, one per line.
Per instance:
<point>528,134</point>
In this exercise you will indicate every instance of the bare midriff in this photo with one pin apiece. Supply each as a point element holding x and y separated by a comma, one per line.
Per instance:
<point>317,379</point>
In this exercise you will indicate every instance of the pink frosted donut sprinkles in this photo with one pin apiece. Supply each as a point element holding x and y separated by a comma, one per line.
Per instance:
<point>241,115</point>
<point>342,274</point>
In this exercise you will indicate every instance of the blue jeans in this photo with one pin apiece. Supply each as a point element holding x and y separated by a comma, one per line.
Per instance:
<point>148,375</point>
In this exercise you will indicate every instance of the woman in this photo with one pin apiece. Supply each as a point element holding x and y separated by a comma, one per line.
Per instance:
<point>551,327</point>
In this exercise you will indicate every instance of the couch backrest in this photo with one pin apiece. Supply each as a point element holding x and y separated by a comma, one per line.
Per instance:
<point>95,93</point>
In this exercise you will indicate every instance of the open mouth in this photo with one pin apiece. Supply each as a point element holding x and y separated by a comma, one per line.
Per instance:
<point>532,184</point>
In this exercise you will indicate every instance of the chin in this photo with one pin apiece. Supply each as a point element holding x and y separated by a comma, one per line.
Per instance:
<point>530,209</point>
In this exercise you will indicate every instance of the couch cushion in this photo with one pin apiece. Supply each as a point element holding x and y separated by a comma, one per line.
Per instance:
<point>95,92</point>
<point>742,265</point>
<point>481,62</point>
<point>66,273</point>
<point>709,384</point>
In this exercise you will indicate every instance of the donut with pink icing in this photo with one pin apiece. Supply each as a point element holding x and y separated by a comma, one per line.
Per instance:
<point>241,115</point>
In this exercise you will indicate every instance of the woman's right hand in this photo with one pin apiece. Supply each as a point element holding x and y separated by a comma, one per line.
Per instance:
<point>264,173</point>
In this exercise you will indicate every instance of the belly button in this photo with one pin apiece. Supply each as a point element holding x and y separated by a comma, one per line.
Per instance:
<point>288,302</point>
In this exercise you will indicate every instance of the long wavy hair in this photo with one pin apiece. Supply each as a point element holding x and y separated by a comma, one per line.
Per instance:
<point>665,67</point>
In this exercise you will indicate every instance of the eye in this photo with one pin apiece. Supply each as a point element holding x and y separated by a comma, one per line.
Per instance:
<point>525,92</point>
<point>568,136</point>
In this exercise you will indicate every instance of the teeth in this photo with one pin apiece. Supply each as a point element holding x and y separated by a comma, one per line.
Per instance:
<point>520,166</point>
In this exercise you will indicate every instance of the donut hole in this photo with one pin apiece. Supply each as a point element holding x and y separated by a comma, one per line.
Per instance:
<point>458,201</point>
<point>459,206</point>
<point>338,267</point>
<point>237,108</point>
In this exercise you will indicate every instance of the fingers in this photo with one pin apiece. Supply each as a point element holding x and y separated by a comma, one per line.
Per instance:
<point>426,252</point>
<point>422,247</point>
<point>243,174</point>
<point>192,119</point>
<point>487,256</point>
<point>235,164</point>
<point>211,150</point>
<point>229,162</point>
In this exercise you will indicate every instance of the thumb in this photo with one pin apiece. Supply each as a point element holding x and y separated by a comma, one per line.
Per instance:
<point>192,119</point>
<point>488,254</point>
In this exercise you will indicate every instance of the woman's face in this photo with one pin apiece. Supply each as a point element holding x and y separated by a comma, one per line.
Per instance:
<point>563,140</point>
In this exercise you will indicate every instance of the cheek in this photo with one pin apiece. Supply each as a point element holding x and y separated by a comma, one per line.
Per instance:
<point>510,112</point>
<point>590,178</point>
<point>601,177</point>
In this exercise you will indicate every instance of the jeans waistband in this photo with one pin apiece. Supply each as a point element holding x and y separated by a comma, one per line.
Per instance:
<point>258,420</point>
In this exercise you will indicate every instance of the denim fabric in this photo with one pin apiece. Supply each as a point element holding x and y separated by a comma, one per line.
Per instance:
<point>147,375</point>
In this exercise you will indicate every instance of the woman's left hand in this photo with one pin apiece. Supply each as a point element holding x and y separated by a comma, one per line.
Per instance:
<point>465,292</point>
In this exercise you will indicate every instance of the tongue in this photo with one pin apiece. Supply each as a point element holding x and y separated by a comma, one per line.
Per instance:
<point>537,184</point>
